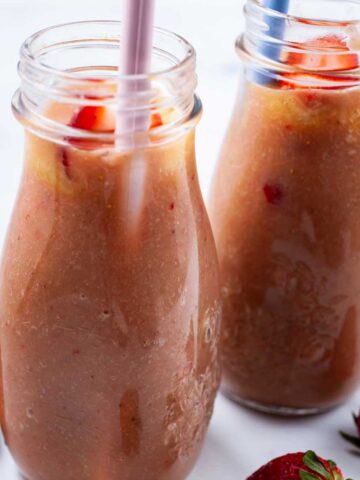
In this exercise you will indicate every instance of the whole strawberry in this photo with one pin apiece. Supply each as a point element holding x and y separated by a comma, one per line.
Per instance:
<point>299,466</point>
<point>351,438</point>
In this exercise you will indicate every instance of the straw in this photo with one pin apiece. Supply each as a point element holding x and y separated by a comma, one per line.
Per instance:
<point>136,49</point>
<point>276,27</point>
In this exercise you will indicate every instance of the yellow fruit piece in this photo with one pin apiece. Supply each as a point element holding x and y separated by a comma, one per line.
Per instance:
<point>44,159</point>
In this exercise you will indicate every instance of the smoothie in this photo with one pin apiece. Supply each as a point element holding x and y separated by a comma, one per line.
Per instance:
<point>109,303</point>
<point>285,207</point>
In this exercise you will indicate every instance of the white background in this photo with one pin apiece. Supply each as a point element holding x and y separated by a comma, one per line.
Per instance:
<point>239,441</point>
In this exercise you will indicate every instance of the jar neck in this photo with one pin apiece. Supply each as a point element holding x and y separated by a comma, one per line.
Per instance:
<point>75,65</point>
<point>315,44</point>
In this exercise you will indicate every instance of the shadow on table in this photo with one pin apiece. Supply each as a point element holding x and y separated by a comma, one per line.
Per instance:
<point>327,425</point>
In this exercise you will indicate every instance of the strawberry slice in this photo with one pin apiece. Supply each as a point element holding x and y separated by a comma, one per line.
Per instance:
<point>94,119</point>
<point>100,120</point>
<point>156,120</point>
<point>337,57</point>
<point>334,58</point>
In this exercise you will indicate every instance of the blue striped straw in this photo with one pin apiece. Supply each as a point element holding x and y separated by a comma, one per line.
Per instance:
<point>276,29</point>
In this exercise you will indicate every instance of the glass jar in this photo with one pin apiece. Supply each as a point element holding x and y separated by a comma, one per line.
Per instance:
<point>285,204</point>
<point>109,296</point>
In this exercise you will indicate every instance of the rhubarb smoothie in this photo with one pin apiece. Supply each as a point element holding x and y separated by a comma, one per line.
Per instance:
<point>285,205</point>
<point>109,302</point>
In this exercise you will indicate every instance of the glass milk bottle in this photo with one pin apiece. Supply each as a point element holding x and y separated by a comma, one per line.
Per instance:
<point>109,295</point>
<point>285,208</point>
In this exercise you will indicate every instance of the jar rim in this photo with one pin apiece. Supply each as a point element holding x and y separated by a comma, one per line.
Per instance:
<point>280,46</point>
<point>304,19</point>
<point>76,64</point>
<point>28,53</point>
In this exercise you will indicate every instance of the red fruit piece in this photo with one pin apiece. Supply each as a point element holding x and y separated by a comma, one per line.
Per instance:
<point>310,99</point>
<point>92,118</point>
<point>156,120</point>
<point>273,194</point>
<point>99,119</point>
<point>336,57</point>
<point>298,466</point>
<point>333,59</point>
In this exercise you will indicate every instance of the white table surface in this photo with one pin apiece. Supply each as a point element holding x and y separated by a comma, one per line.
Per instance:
<point>239,440</point>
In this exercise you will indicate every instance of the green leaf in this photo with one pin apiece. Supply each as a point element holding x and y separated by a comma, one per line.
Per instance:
<point>333,468</point>
<point>307,476</point>
<point>351,439</point>
<point>311,460</point>
<point>337,475</point>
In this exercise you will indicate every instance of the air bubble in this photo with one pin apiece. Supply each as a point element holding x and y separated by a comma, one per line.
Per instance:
<point>208,334</point>
<point>30,413</point>
<point>105,314</point>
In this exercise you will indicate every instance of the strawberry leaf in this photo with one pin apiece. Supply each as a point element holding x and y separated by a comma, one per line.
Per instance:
<point>351,439</point>
<point>356,420</point>
<point>337,475</point>
<point>312,461</point>
<point>334,470</point>
<point>307,476</point>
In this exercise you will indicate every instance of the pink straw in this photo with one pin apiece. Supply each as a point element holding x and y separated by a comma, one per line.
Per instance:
<point>136,49</point>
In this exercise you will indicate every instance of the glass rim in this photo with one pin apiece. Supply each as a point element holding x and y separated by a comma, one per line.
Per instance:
<point>270,37</point>
<point>54,131</point>
<point>43,76</point>
<point>28,54</point>
<point>269,12</point>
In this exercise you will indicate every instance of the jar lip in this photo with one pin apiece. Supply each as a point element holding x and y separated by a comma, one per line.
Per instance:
<point>328,80</point>
<point>302,19</point>
<point>54,131</point>
<point>280,47</point>
<point>28,55</point>
<point>76,65</point>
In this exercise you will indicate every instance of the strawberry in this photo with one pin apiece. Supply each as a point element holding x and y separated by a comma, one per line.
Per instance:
<point>299,466</point>
<point>273,193</point>
<point>102,119</point>
<point>95,119</point>
<point>339,60</point>
<point>351,438</point>
<point>156,120</point>
<point>334,59</point>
